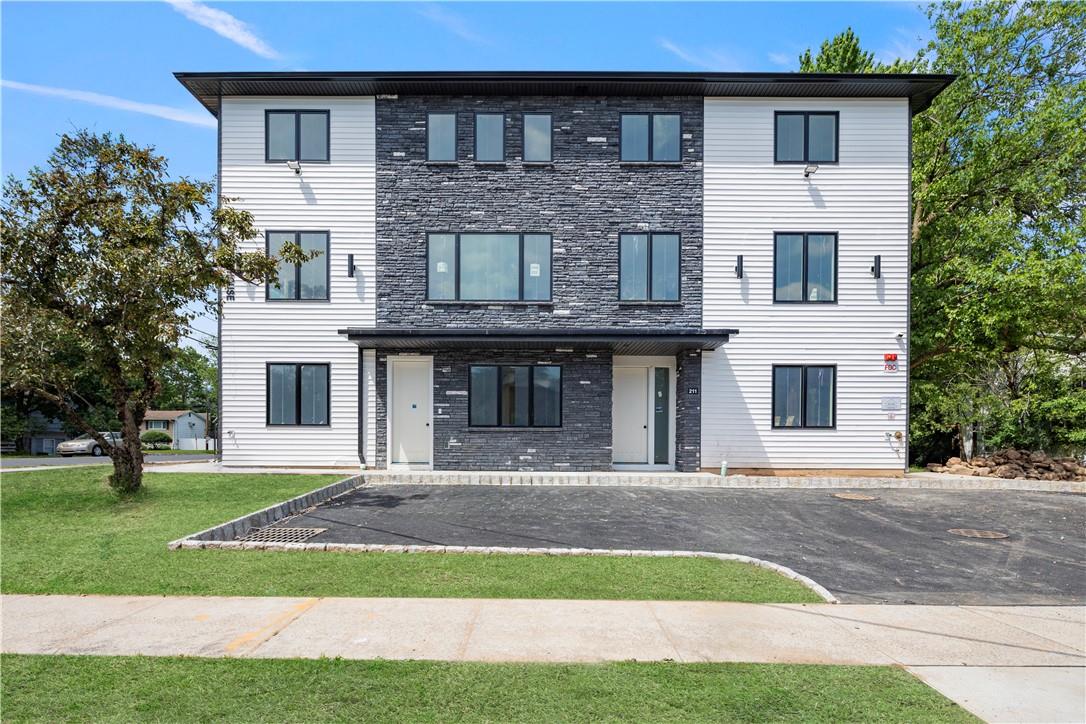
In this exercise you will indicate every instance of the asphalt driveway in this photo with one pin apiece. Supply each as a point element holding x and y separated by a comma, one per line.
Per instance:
<point>895,549</point>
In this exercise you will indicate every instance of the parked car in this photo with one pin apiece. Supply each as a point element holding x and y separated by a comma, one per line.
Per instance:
<point>87,445</point>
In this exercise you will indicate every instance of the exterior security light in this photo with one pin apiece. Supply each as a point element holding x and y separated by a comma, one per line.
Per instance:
<point>809,169</point>
<point>295,166</point>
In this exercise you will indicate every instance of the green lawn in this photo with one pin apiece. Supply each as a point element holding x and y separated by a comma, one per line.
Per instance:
<point>90,688</point>
<point>63,531</point>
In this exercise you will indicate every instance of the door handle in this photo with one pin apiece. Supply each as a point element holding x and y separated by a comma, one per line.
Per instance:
<point>645,427</point>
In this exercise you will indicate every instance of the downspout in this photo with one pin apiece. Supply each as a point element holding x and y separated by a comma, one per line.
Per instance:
<point>219,304</point>
<point>908,304</point>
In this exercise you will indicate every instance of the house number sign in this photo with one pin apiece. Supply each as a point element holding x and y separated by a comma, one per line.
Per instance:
<point>691,390</point>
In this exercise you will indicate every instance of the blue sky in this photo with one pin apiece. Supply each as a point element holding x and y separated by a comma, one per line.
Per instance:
<point>108,66</point>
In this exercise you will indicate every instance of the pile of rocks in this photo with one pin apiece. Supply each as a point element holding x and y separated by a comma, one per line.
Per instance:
<point>1019,464</point>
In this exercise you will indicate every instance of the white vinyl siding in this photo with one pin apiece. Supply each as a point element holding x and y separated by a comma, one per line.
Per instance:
<point>864,199</point>
<point>338,196</point>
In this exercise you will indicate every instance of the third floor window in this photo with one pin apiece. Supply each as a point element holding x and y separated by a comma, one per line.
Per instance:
<point>296,136</point>
<point>805,137</point>
<point>650,137</point>
<point>490,137</point>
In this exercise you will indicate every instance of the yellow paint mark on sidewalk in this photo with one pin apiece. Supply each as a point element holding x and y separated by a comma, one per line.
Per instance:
<point>252,639</point>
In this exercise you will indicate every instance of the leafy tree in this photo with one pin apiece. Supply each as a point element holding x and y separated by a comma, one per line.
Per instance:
<point>998,235</point>
<point>154,438</point>
<point>843,54</point>
<point>188,382</point>
<point>104,259</point>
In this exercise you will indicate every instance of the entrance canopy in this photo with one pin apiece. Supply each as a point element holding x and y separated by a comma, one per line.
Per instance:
<point>649,341</point>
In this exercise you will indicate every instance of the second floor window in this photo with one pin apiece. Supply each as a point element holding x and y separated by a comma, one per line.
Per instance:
<point>489,136</point>
<point>805,267</point>
<point>537,137</point>
<point>441,137</point>
<point>648,267</point>
<point>296,136</point>
<point>307,281</point>
<point>805,137</point>
<point>489,267</point>
<point>650,137</point>
<point>297,394</point>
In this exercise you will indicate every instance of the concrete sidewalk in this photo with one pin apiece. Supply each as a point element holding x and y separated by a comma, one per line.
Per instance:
<point>1035,655</point>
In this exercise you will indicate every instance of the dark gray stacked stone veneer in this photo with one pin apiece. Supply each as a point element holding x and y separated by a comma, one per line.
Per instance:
<point>582,443</point>
<point>584,199</point>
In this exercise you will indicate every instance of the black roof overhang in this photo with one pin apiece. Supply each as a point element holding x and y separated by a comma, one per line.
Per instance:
<point>633,341</point>
<point>920,89</point>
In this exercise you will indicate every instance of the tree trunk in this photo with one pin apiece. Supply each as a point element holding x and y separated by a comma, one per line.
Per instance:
<point>127,456</point>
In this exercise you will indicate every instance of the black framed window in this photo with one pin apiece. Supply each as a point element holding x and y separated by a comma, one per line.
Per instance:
<point>650,137</point>
<point>804,396</point>
<point>297,393</point>
<point>308,281</point>
<point>515,396</point>
<point>648,267</point>
<point>296,136</point>
<point>538,137</point>
<point>490,137</point>
<point>488,267</point>
<point>441,137</point>
<point>805,267</point>
<point>806,136</point>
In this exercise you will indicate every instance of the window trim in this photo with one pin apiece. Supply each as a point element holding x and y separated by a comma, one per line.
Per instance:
<point>297,395</point>
<point>298,267</point>
<point>651,115</point>
<point>475,137</point>
<point>456,136</point>
<point>531,396</point>
<point>648,268</point>
<point>807,137</point>
<point>298,134</point>
<point>520,266</point>
<point>803,264</point>
<point>524,137</point>
<point>802,398</point>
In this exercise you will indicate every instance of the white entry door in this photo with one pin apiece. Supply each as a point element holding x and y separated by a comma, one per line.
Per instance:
<point>410,433</point>
<point>631,415</point>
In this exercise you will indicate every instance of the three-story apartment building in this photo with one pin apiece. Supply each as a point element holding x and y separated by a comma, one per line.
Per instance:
<point>569,271</point>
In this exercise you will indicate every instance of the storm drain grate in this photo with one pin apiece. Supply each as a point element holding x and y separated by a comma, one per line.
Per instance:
<point>973,533</point>
<point>282,535</point>
<point>854,496</point>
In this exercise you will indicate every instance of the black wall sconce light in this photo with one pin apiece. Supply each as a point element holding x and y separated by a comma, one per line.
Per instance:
<point>876,268</point>
<point>350,265</point>
<point>739,267</point>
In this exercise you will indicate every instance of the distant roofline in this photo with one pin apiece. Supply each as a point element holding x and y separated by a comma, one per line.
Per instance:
<point>920,89</point>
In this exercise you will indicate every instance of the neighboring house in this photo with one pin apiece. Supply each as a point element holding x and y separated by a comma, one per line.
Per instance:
<point>187,428</point>
<point>49,432</point>
<point>570,271</point>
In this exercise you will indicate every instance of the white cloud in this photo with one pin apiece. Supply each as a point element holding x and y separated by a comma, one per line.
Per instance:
<point>905,44</point>
<point>97,99</point>
<point>707,58</point>
<point>451,21</point>
<point>784,60</point>
<point>225,25</point>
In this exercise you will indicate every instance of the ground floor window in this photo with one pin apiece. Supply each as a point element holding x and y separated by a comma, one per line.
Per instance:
<point>157,425</point>
<point>515,396</point>
<point>804,396</point>
<point>297,393</point>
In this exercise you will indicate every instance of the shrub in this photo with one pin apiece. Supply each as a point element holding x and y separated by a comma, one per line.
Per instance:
<point>154,438</point>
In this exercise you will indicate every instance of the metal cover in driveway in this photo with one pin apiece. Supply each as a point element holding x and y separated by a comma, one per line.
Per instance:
<point>282,535</point>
